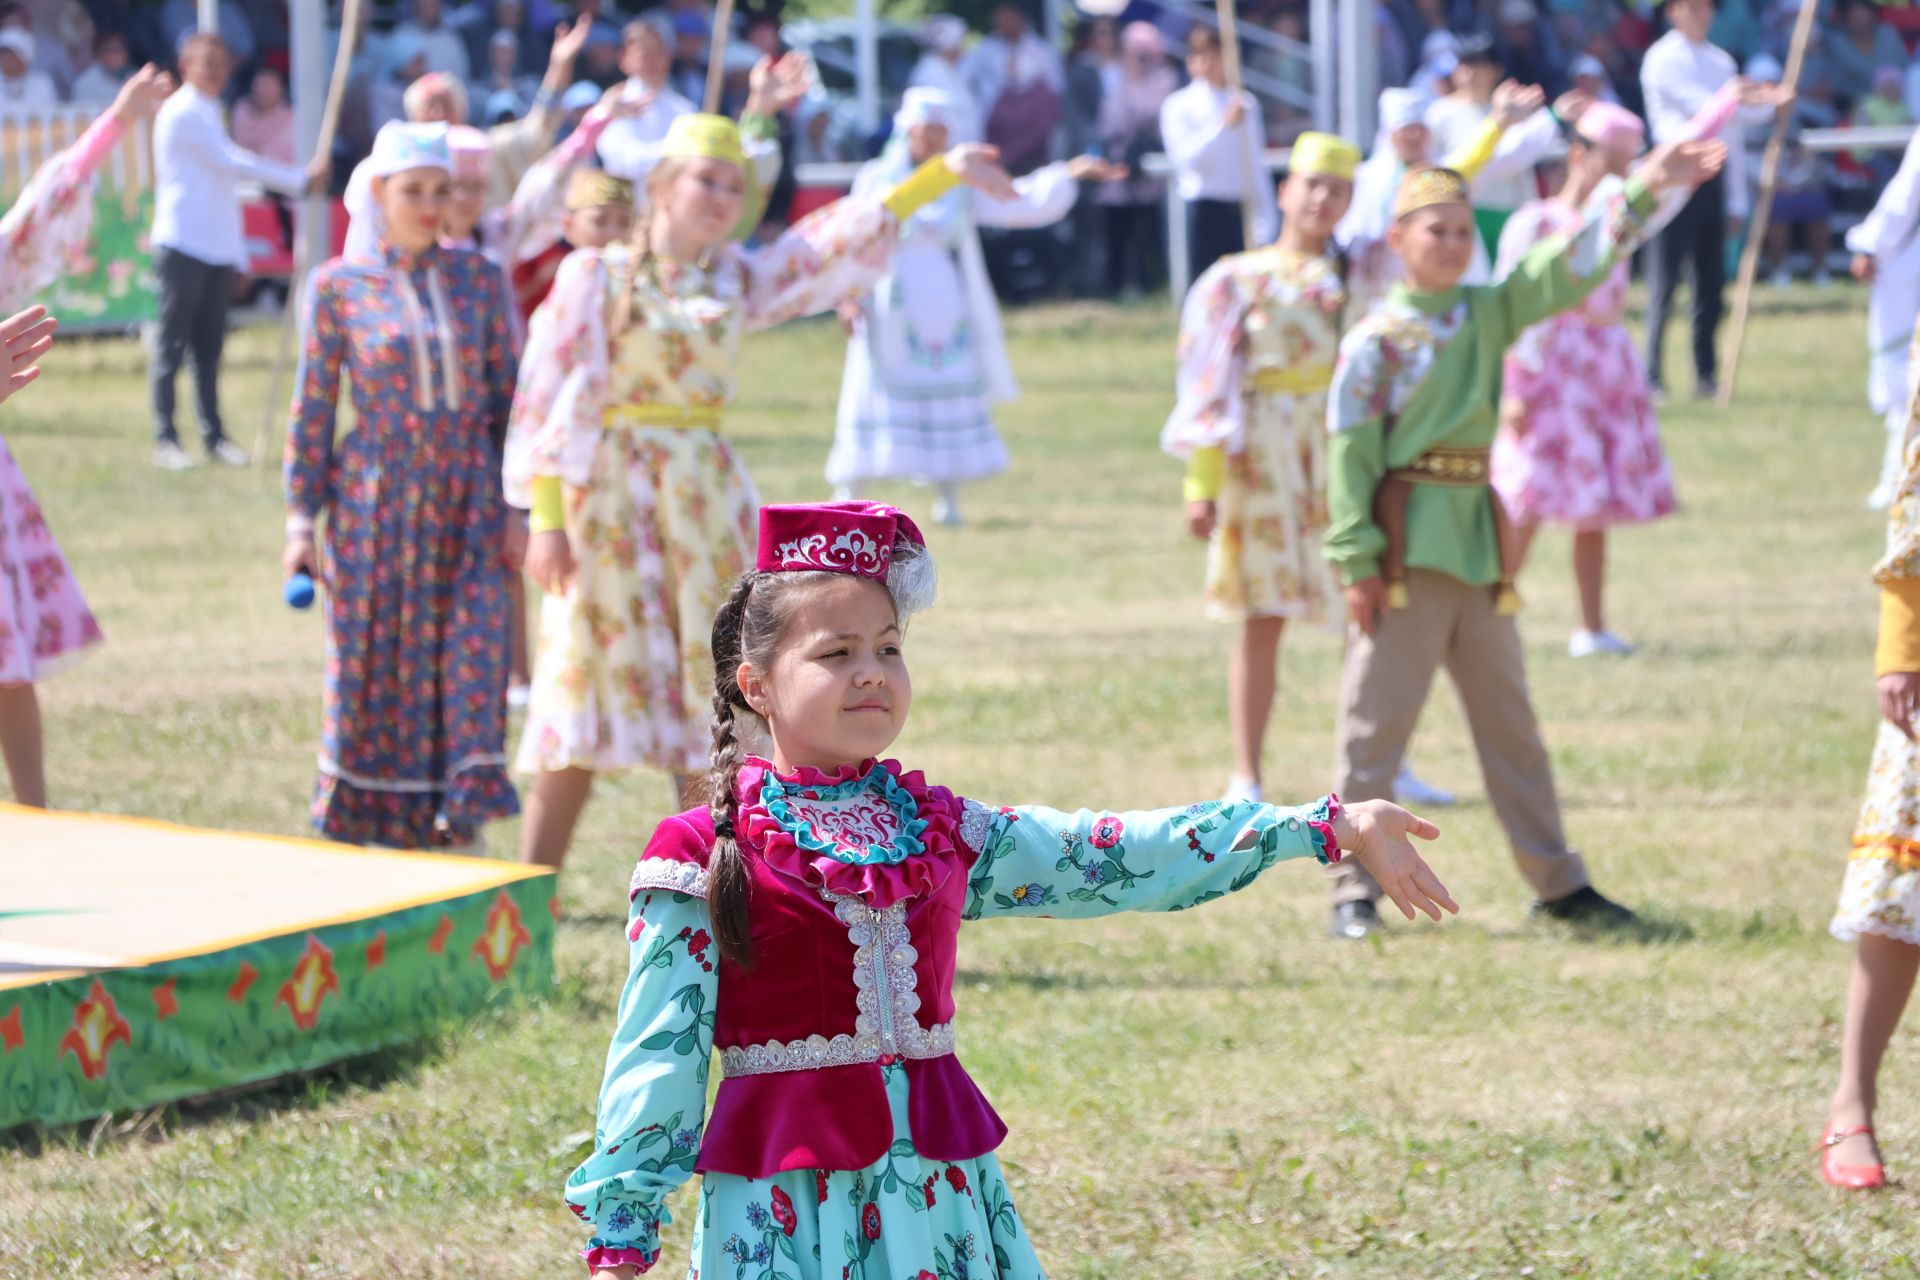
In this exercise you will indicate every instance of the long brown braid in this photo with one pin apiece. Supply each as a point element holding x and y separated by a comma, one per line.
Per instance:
<point>726,870</point>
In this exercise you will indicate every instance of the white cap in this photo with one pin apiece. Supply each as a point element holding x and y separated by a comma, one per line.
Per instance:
<point>19,42</point>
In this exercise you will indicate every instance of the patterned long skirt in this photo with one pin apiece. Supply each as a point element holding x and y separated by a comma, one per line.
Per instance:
<point>413,749</point>
<point>623,671</point>
<point>1265,559</point>
<point>44,620</point>
<point>1881,892</point>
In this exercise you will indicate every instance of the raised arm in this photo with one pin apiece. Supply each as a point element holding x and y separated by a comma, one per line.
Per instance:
<point>534,220</point>
<point>1040,199</point>
<point>836,254</point>
<point>654,1093</point>
<point>1035,861</point>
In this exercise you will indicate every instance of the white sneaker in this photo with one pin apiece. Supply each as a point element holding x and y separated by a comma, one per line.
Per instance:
<point>1781,278</point>
<point>169,456</point>
<point>1408,789</point>
<point>1243,791</point>
<point>1587,644</point>
<point>517,695</point>
<point>230,454</point>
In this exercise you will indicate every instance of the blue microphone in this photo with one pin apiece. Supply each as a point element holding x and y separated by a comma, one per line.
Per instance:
<point>299,591</point>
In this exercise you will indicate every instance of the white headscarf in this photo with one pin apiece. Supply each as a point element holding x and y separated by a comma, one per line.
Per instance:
<point>1379,175</point>
<point>396,148</point>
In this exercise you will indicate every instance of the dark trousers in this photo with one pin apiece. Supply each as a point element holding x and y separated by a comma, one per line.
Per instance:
<point>1133,247</point>
<point>194,296</point>
<point>1696,236</point>
<point>1213,232</point>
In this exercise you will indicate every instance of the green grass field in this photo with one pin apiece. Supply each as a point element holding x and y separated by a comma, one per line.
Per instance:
<point>1217,1094</point>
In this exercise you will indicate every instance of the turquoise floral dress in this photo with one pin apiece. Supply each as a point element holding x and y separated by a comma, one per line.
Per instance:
<point>846,1142</point>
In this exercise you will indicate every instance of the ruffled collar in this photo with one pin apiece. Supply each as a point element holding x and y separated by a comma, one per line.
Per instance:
<point>869,831</point>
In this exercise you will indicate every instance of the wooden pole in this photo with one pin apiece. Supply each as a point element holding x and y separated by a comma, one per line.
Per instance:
<point>1249,163</point>
<point>1763,205</point>
<point>323,145</point>
<point>717,54</point>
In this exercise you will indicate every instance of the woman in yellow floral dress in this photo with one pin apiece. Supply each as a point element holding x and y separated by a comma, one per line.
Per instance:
<point>641,510</point>
<point>1258,339</point>
<point>1879,907</point>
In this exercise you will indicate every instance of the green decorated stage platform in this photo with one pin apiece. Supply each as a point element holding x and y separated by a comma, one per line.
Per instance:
<point>142,962</point>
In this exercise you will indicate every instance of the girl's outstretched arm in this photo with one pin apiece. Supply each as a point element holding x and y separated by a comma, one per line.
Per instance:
<point>1035,861</point>
<point>653,1100</point>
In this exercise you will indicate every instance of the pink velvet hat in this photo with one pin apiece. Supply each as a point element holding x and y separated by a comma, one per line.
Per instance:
<point>854,538</point>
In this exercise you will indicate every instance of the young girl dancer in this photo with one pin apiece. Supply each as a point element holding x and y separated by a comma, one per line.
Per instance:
<point>641,510</point>
<point>805,921</point>
<point>1579,443</point>
<point>926,355</point>
<point>44,620</point>
<point>418,545</point>
<point>1258,337</point>
<point>1879,907</point>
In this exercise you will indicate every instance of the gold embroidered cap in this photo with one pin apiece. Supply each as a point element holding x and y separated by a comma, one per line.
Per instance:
<point>1324,153</point>
<point>1423,188</point>
<point>698,136</point>
<point>590,188</point>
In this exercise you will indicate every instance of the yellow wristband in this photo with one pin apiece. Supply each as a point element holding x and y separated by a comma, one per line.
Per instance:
<point>923,186</point>
<point>549,506</point>
<point>1206,472</point>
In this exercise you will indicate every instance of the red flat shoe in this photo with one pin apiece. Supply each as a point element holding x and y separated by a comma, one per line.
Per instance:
<point>1850,1177</point>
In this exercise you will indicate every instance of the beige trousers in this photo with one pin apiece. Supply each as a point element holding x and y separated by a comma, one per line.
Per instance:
<point>1385,685</point>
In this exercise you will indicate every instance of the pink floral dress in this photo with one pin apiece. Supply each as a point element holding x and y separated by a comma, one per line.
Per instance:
<point>44,620</point>
<point>1578,442</point>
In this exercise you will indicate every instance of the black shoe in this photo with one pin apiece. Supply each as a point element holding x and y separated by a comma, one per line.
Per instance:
<point>1353,921</point>
<point>1587,906</point>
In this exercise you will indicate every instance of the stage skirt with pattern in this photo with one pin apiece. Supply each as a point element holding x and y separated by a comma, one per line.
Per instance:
<point>623,669</point>
<point>44,620</point>
<point>1264,559</point>
<point>1881,893</point>
<point>913,398</point>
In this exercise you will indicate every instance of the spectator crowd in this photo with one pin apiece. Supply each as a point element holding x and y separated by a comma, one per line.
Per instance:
<point>1122,85</point>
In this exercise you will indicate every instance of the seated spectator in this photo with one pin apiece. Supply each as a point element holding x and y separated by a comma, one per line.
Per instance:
<point>21,87</point>
<point>1800,201</point>
<point>692,36</point>
<point>49,56</point>
<point>1589,76</point>
<point>263,120</point>
<point>111,67</point>
<point>505,94</point>
<point>1017,80</point>
<point>65,25</point>
<point>1524,47</point>
<point>1884,108</point>
<point>181,18</point>
<point>482,26</point>
<point>1855,45</point>
<point>137,23</point>
<point>444,50</point>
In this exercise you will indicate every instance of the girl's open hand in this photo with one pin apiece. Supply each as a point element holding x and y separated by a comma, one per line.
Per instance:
<point>1377,834</point>
<point>978,166</point>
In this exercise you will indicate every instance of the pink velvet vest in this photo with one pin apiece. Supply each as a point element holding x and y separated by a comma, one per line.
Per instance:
<point>853,970</point>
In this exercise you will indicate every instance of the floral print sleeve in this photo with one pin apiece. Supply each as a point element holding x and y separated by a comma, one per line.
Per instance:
<point>1034,861</point>
<point>556,413</point>
<point>50,221</point>
<point>653,1100</point>
<point>832,255</point>
<point>1209,365</point>
<point>316,390</point>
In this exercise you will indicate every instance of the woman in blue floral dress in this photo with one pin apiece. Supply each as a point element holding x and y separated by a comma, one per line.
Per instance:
<point>806,923</point>
<point>418,548</point>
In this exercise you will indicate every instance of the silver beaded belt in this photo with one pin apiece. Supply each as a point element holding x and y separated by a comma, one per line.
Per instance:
<point>842,1050</point>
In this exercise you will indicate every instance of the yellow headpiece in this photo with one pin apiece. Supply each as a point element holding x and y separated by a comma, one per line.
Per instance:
<point>590,188</point>
<point>704,137</point>
<point>1324,153</point>
<point>1424,188</point>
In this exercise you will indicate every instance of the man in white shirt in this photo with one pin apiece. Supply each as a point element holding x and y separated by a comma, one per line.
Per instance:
<point>197,242</point>
<point>1215,142</point>
<point>630,147</point>
<point>1680,73</point>
<point>21,87</point>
